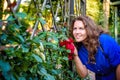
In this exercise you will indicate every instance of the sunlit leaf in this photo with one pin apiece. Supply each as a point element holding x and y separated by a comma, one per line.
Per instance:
<point>10,18</point>
<point>21,15</point>
<point>43,71</point>
<point>24,49</point>
<point>36,40</point>
<point>42,35</point>
<point>49,77</point>
<point>38,59</point>
<point>55,72</point>
<point>51,45</point>
<point>65,58</point>
<point>31,18</point>
<point>20,37</point>
<point>42,21</point>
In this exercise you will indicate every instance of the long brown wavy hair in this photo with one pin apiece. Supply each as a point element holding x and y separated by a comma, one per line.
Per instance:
<point>93,31</point>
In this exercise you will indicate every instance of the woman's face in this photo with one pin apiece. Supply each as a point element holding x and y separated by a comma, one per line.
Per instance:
<point>79,31</point>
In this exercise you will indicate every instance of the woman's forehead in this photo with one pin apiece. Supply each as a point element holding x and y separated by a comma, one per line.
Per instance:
<point>78,23</point>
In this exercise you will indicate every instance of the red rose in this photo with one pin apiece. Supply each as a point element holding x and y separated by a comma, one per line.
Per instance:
<point>68,45</point>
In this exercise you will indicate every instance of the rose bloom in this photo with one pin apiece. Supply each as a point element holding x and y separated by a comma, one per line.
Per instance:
<point>68,45</point>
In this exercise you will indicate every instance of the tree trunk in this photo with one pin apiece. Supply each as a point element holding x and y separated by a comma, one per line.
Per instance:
<point>83,7</point>
<point>1,8</point>
<point>71,7</point>
<point>106,7</point>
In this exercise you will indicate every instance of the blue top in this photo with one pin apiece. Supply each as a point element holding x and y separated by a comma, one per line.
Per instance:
<point>107,58</point>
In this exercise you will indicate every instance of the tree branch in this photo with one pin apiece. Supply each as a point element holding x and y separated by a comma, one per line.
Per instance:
<point>17,5</point>
<point>12,9</point>
<point>35,28</point>
<point>55,25</point>
<point>44,3</point>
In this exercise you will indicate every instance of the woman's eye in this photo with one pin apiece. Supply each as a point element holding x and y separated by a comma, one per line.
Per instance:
<point>81,28</point>
<point>74,28</point>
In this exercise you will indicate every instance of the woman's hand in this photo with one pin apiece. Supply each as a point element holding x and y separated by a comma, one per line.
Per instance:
<point>75,51</point>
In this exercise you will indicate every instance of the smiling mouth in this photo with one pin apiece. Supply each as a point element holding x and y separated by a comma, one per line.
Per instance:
<point>78,37</point>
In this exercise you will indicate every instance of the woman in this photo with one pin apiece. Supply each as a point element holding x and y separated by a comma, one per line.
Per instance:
<point>95,50</point>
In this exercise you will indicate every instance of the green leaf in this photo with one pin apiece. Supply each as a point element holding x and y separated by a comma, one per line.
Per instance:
<point>10,18</point>
<point>21,78</point>
<point>55,72</point>
<point>10,51</point>
<point>49,77</point>
<point>42,21</point>
<point>43,71</point>
<point>8,76</point>
<point>36,40</point>
<point>68,51</point>
<point>65,58</point>
<point>5,66</point>
<point>31,18</point>
<point>21,15</point>
<point>20,37</point>
<point>3,38</point>
<point>37,58</point>
<point>42,35</point>
<point>51,45</point>
<point>24,49</point>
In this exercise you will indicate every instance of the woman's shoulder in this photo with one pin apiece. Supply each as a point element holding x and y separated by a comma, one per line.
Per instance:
<point>107,40</point>
<point>111,48</point>
<point>105,37</point>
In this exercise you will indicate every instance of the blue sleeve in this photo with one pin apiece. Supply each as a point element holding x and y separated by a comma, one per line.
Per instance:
<point>111,49</point>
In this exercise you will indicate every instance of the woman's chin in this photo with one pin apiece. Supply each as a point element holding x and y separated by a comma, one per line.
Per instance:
<point>78,40</point>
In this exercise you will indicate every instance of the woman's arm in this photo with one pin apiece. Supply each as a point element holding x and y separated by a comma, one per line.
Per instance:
<point>118,72</point>
<point>80,68</point>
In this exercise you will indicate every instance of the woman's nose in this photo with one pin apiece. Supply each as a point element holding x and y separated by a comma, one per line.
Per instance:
<point>77,31</point>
